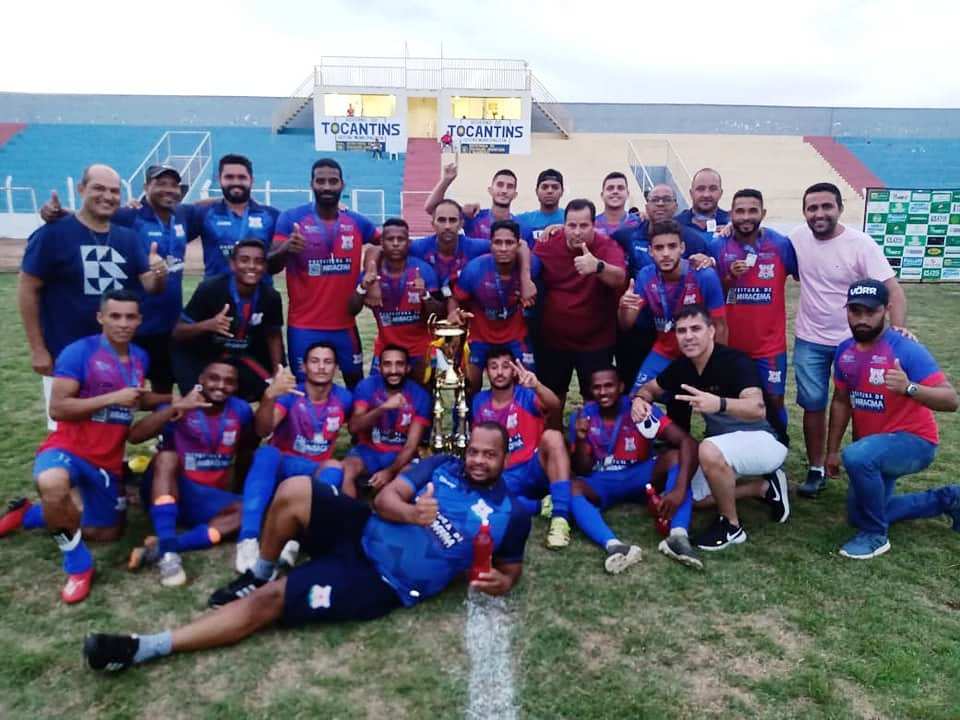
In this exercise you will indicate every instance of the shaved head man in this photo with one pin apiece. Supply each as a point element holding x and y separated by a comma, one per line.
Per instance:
<point>705,215</point>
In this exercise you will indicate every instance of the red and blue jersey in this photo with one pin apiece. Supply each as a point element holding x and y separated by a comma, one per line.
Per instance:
<point>627,222</point>
<point>875,408</point>
<point>479,226</point>
<point>400,318</point>
<point>309,429</point>
<point>389,435</point>
<point>206,442</point>
<point>99,370</point>
<point>664,300</point>
<point>446,268</point>
<point>494,300</point>
<point>615,444</point>
<point>522,418</point>
<point>321,277</point>
<point>756,300</point>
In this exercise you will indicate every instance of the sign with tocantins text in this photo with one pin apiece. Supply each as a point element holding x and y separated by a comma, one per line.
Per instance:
<point>919,231</point>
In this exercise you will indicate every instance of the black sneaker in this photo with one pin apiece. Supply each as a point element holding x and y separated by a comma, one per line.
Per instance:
<point>110,652</point>
<point>679,548</point>
<point>241,586</point>
<point>720,535</point>
<point>811,487</point>
<point>777,495</point>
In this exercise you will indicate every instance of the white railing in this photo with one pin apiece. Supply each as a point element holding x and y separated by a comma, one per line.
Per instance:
<point>646,153</point>
<point>370,203</point>
<point>635,163</point>
<point>677,168</point>
<point>549,104</point>
<point>423,73</point>
<point>187,151</point>
<point>9,189</point>
<point>293,104</point>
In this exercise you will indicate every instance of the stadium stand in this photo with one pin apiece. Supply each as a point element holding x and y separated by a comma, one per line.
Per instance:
<point>420,173</point>
<point>8,130</point>
<point>909,163</point>
<point>847,165</point>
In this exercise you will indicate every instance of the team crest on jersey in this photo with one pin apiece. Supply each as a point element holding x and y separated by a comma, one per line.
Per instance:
<point>320,596</point>
<point>406,419</point>
<point>629,444</point>
<point>229,437</point>
<point>766,271</point>
<point>876,376</point>
<point>256,223</point>
<point>256,318</point>
<point>773,376</point>
<point>511,421</point>
<point>690,299</point>
<point>333,424</point>
<point>413,297</point>
<point>481,509</point>
<point>347,242</point>
<point>179,231</point>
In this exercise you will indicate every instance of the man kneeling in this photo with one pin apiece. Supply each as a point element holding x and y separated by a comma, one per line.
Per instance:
<point>364,564</point>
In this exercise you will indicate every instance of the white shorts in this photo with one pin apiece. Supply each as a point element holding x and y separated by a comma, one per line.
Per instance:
<point>748,452</point>
<point>47,390</point>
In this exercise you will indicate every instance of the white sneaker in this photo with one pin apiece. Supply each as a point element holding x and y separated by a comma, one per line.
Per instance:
<point>248,550</point>
<point>171,570</point>
<point>288,556</point>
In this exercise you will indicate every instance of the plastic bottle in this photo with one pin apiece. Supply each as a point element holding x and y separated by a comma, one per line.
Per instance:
<point>653,506</point>
<point>482,552</point>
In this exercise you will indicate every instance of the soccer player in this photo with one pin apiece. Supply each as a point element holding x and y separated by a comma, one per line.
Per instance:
<point>71,263</point>
<point>537,462</point>
<point>663,289</point>
<point>890,385</point>
<point>98,383</point>
<point>320,246</point>
<point>488,291</point>
<point>614,192</point>
<point>722,385</point>
<point>705,216</point>
<point>390,415</point>
<point>236,315</point>
<point>830,257</point>
<point>364,564</point>
<point>448,250</point>
<point>408,287</point>
<point>187,481</point>
<point>305,421</point>
<point>615,458</point>
<point>753,265</point>
<point>549,192</point>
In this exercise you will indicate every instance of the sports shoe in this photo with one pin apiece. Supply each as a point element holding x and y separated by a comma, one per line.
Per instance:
<point>12,519</point>
<point>621,556</point>
<point>864,546</point>
<point>248,550</point>
<point>171,570</point>
<point>110,652</point>
<point>546,507</point>
<point>679,548</point>
<point>811,487</point>
<point>77,587</point>
<point>146,555</point>
<point>720,535</point>
<point>239,588</point>
<point>777,495</point>
<point>288,556</point>
<point>559,533</point>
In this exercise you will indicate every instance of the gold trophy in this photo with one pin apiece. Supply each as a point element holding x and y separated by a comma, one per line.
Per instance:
<point>449,385</point>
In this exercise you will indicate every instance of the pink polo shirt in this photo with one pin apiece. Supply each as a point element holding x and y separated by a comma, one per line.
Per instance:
<point>827,267</point>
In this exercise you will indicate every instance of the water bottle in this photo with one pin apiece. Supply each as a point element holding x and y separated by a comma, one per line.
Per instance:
<point>653,506</point>
<point>482,552</point>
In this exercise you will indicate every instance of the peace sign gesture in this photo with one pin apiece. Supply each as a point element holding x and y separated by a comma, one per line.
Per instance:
<point>701,401</point>
<point>525,378</point>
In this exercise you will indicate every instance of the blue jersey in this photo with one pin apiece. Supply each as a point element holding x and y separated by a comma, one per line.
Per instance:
<point>419,562</point>
<point>448,269</point>
<point>221,229</point>
<point>721,218</point>
<point>161,310</point>
<point>78,265</point>
<point>479,227</point>
<point>636,244</point>
<point>537,221</point>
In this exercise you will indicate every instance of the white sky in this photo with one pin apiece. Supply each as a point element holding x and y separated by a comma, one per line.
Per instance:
<point>888,53</point>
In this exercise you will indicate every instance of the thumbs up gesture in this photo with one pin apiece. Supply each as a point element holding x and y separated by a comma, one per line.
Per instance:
<point>221,323</point>
<point>581,424</point>
<point>52,210</point>
<point>896,379</point>
<point>281,383</point>
<point>157,264</point>
<point>425,507</point>
<point>585,263</point>
<point>296,241</point>
<point>630,300</point>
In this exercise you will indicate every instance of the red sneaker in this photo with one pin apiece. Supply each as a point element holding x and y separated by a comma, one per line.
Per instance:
<point>77,587</point>
<point>13,518</point>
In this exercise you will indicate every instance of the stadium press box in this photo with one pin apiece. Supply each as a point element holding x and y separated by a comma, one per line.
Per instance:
<point>919,231</point>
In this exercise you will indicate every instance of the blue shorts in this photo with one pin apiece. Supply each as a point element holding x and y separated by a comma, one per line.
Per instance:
<point>520,349</point>
<point>812,364</point>
<point>618,486</point>
<point>196,503</point>
<point>773,374</point>
<point>345,342</point>
<point>652,365</point>
<point>104,503</point>
<point>528,479</point>
<point>293,465</point>
<point>373,460</point>
<point>339,583</point>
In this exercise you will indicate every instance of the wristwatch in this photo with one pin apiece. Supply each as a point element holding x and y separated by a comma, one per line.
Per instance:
<point>912,389</point>
<point>600,266</point>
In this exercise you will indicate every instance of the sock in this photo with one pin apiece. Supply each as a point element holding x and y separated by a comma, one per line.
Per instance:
<point>818,468</point>
<point>590,521</point>
<point>678,531</point>
<point>611,543</point>
<point>681,518</point>
<point>560,491</point>
<point>258,490</point>
<point>153,646</point>
<point>198,538</point>
<point>33,518</point>
<point>163,514</point>
<point>76,556</point>
<point>264,569</point>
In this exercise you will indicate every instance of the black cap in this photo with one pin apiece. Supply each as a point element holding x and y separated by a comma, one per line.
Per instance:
<point>549,174</point>
<point>869,293</point>
<point>155,171</point>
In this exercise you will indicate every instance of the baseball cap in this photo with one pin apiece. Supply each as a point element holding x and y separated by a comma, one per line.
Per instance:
<point>869,293</point>
<point>155,171</point>
<point>550,174</point>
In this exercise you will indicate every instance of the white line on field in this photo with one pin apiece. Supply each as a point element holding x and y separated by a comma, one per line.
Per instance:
<point>487,636</point>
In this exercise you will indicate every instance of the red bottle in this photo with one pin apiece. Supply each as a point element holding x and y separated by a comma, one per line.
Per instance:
<point>482,552</point>
<point>653,506</point>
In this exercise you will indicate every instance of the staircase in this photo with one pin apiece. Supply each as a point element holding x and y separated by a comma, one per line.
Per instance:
<point>550,107</point>
<point>847,165</point>
<point>420,173</point>
<point>8,130</point>
<point>295,104</point>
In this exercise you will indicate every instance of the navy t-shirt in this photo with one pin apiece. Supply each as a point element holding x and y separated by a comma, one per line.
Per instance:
<point>77,266</point>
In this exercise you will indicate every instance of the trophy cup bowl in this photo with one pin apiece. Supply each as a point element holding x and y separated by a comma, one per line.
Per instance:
<point>448,385</point>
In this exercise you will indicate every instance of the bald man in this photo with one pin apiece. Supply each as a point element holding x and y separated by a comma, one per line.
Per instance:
<point>69,264</point>
<point>705,215</point>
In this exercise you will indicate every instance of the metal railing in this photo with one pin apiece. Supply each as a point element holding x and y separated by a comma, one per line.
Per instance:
<point>9,189</point>
<point>292,105</point>
<point>423,73</point>
<point>370,203</point>
<point>635,163</point>
<point>644,154</point>
<point>552,107</point>
<point>188,151</point>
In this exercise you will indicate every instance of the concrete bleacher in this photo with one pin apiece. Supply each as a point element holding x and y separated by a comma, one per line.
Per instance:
<point>910,163</point>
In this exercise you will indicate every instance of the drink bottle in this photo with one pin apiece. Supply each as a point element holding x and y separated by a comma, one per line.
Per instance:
<point>653,506</point>
<point>482,551</point>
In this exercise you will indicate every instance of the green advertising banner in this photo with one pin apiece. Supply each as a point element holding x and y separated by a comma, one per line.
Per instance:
<point>919,231</point>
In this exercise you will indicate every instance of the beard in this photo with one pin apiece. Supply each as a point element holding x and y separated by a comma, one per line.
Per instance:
<point>864,334</point>
<point>326,199</point>
<point>236,193</point>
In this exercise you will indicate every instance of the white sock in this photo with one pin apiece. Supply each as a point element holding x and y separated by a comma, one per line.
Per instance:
<point>818,468</point>
<point>611,543</point>
<point>678,531</point>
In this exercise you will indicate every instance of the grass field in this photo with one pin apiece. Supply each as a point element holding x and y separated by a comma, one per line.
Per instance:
<point>780,627</point>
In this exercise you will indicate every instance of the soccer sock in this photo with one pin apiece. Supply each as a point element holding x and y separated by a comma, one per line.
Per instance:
<point>76,556</point>
<point>198,538</point>
<point>163,513</point>
<point>818,468</point>
<point>560,491</point>
<point>590,521</point>
<point>33,517</point>
<point>264,569</point>
<point>153,646</point>
<point>681,518</point>
<point>258,490</point>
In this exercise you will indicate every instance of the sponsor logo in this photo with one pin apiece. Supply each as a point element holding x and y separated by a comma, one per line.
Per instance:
<point>869,401</point>
<point>102,269</point>
<point>487,131</point>
<point>445,532</point>
<point>360,129</point>
<point>863,290</point>
<point>328,266</point>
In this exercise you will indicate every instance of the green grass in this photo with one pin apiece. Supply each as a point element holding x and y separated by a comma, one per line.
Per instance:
<point>781,627</point>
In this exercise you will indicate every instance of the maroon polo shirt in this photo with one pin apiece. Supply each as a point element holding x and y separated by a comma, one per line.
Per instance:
<point>579,311</point>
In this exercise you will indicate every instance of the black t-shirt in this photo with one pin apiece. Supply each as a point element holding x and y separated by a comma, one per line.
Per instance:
<point>727,373</point>
<point>249,338</point>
